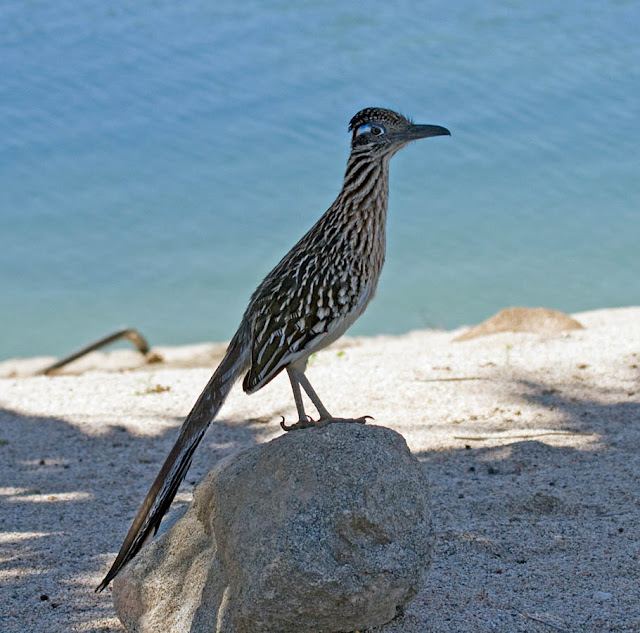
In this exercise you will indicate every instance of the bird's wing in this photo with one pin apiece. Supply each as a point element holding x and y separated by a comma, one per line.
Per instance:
<point>288,320</point>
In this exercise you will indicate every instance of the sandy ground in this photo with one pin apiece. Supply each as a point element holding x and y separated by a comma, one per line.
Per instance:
<point>531,443</point>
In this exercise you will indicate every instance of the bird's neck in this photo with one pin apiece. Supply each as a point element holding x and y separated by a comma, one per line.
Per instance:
<point>365,191</point>
<point>357,219</point>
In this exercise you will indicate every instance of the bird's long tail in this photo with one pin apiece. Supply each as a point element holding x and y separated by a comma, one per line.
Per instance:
<point>166,484</point>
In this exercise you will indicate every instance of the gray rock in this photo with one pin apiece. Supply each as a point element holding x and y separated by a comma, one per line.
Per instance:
<point>321,530</point>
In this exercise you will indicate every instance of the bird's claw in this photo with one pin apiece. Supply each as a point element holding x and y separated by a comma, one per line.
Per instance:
<point>300,424</point>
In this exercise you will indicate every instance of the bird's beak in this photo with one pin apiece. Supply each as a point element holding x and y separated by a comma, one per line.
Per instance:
<point>424,131</point>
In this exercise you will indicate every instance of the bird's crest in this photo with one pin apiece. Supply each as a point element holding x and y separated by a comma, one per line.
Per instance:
<point>378,115</point>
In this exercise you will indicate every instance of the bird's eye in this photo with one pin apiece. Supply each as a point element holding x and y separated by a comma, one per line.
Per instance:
<point>368,128</point>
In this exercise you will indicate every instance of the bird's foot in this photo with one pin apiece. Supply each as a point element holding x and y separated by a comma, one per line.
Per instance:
<point>322,422</point>
<point>327,421</point>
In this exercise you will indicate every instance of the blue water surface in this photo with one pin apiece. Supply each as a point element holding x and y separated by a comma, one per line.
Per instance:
<point>158,158</point>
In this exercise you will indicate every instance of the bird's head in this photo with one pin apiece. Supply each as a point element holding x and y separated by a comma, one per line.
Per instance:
<point>383,132</point>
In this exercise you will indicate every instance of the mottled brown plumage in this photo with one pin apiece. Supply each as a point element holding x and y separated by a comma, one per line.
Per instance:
<point>319,288</point>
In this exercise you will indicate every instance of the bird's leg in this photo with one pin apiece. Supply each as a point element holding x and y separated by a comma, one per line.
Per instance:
<point>325,416</point>
<point>304,381</point>
<point>298,378</point>
<point>304,421</point>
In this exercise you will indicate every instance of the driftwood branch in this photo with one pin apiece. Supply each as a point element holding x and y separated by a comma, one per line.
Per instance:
<point>129,334</point>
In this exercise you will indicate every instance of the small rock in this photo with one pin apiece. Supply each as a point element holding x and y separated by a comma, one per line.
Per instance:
<point>537,320</point>
<point>318,530</point>
<point>601,596</point>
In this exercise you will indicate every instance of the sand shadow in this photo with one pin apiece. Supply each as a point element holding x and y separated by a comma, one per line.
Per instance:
<point>66,507</point>
<point>531,513</point>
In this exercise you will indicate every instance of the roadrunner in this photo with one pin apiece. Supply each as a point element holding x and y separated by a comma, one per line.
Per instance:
<point>321,286</point>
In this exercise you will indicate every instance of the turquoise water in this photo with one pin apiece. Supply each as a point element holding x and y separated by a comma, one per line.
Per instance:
<point>158,158</point>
